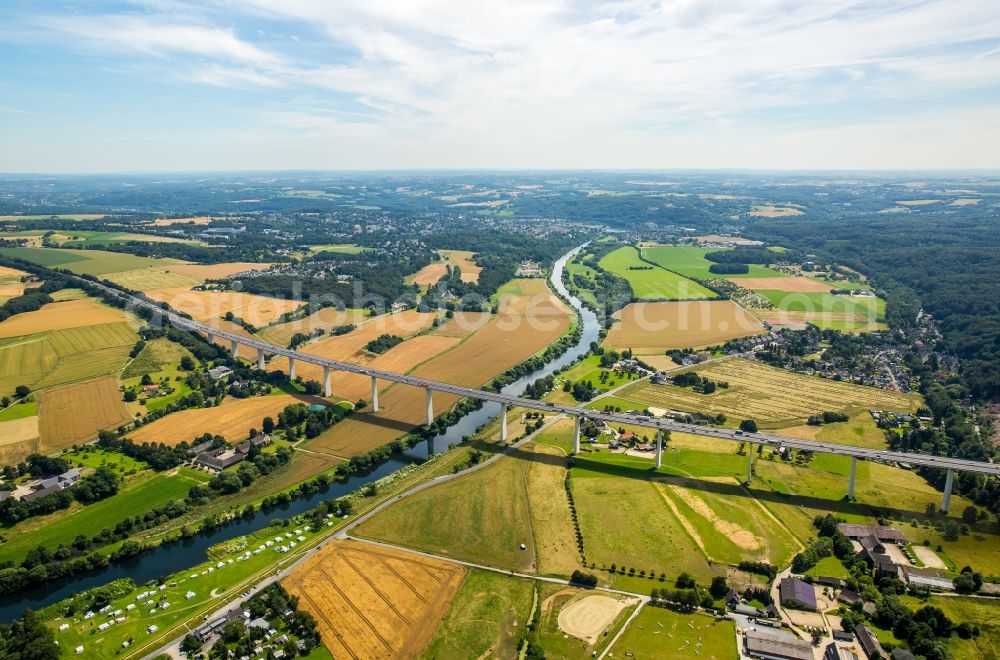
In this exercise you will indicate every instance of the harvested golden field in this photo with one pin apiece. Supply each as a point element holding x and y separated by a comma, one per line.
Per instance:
<point>11,273</point>
<point>400,359</point>
<point>374,602</point>
<point>232,420</point>
<point>75,413</point>
<point>351,346</point>
<point>166,222</point>
<point>430,273</point>
<point>502,343</point>
<point>18,438</point>
<point>774,397</point>
<point>653,327</point>
<point>919,202</point>
<point>203,272</point>
<point>790,284</point>
<point>325,319</point>
<point>463,260</point>
<point>206,305</point>
<point>659,362</point>
<point>772,211</point>
<point>60,316</point>
<point>966,201</point>
<point>11,290</point>
<point>463,324</point>
<point>529,297</point>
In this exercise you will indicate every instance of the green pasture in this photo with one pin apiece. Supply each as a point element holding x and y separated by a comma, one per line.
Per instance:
<point>690,261</point>
<point>866,307</point>
<point>662,633</point>
<point>652,283</point>
<point>489,613</point>
<point>142,493</point>
<point>90,456</point>
<point>19,411</point>
<point>342,249</point>
<point>84,262</point>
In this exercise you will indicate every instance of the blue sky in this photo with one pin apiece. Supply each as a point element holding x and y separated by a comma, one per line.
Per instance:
<point>96,86</point>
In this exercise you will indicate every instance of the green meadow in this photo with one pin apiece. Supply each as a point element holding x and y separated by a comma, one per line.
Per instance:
<point>649,282</point>
<point>690,261</point>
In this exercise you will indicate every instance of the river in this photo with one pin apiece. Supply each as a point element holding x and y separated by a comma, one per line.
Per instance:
<point>174,557</point>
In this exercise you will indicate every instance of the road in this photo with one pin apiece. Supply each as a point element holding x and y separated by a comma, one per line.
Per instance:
<point>770,439</point>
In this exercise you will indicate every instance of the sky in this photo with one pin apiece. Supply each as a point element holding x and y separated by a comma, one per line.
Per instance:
<point>158,85</point>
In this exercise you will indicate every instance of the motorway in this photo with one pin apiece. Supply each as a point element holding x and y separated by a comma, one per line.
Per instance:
<point>774,440</point>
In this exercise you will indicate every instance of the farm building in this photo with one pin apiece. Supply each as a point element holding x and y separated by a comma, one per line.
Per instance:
<point>881,532</point>
<point>848,597</point>
<point>38,488</point>
<point>868,642</point>
<point>775,645</point>
<point>926,578</point>
<point>219,372</point>
<point>834,652</point>
<point>221,458</point>
<point>797,594</point>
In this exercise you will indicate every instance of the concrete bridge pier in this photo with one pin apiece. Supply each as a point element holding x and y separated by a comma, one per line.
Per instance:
<point>749,462</point>
<point>260,359</point>
<point>503,422</point>
<point>659,449</point>
<point>854,472</point>
<point>430,406</point>
<point>211,337</point>
<point>374,394</point>
<point>291,368</point>
<point>576,435</point>
<point>948,482</point>
<point>234,347</point>
<point>327,390</point>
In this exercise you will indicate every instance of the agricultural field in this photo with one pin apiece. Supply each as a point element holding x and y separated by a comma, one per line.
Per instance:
<point>489,516</point>
<point>178,275</point>
<point>774,397</point>
<point>59,216</point>
<point>528,298</point>
<point>71,414</point>
<point>486,618</point>
<point>662,633</point>
<point>166,222</point>
<point>84,262</point>
<point>232,419</point>
<point>91,456</point>
<point>974,611</point>
<point>206,305</point>
<point>650,282</point>
<point>429,274</point>
<point>795,284</point>
<point>343,248</point>
<point>61,316</point>
<point>350,347</point>
<point>506,340</point>
<point>690,261</point>
<point>325,319</point>
<point>160,359</point>
<point>142,492</point>
<point>824,310</point>
<point>774,211</point>
<point>64,356</point>
<point>86,238</point>
<point>18,438</point>
<point>463,260</point>
<point>654,327</point>
<point>462,324</point>
<point>371,601</point>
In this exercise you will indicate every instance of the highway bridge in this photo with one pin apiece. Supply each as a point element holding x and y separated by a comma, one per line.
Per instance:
<point>263,348</point>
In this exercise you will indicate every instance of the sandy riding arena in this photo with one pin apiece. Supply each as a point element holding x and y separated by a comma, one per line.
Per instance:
<point>588,617</point>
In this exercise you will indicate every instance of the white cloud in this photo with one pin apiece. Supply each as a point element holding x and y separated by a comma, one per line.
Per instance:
<point>561,82</point>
